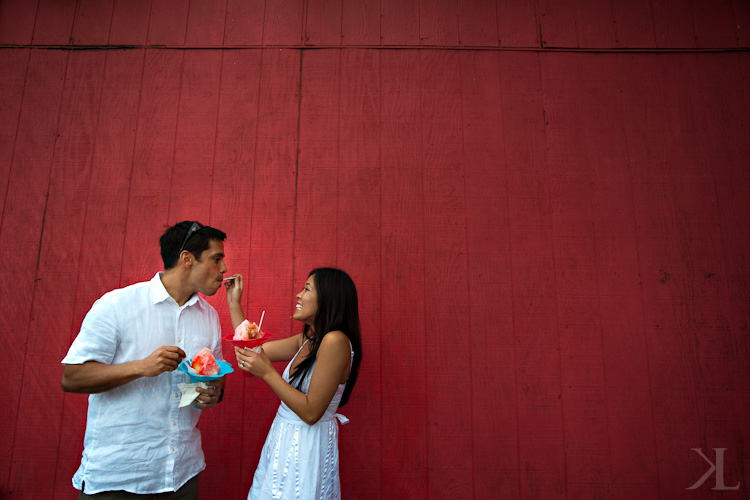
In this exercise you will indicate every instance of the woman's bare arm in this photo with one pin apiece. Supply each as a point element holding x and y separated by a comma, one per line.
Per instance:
<point>276,350</point>
<point>332,364</point>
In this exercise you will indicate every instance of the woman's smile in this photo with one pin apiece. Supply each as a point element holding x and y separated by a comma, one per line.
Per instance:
<point>307,303</point>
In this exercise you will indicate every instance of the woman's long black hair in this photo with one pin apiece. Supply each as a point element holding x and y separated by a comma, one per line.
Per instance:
<point>337,310</point>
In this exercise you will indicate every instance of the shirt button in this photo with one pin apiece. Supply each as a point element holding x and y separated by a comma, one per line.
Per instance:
<point>179,340</point>
<point>172,449</point>
<point>174,423</point>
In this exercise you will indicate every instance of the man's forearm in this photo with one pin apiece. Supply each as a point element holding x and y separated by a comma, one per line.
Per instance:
<point>93,377</point>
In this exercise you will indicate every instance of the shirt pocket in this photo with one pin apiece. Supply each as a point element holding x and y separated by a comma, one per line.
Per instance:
<point>197,334</point>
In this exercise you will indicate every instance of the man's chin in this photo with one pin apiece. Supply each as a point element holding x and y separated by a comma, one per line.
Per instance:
<point>210,292</point>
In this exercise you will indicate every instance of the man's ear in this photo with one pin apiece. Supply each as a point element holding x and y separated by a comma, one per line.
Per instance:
<point>186,259</point>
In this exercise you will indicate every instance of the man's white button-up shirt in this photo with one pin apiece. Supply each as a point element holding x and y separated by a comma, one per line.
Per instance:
<point>137,438</point>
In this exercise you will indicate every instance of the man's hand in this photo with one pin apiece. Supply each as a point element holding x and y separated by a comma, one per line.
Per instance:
<point>93,377</point>
<point>164,359</point>
<point>209,398</point>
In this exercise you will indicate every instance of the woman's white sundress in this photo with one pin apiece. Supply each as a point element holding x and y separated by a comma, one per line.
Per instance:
<point>300,461</point>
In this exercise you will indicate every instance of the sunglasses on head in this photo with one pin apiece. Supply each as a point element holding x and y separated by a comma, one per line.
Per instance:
<point>194,228</point>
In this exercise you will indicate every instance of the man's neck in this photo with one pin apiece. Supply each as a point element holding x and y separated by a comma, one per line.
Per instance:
<point>175,286</point>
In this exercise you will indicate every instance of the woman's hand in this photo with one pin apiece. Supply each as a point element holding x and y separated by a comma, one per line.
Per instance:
<point>234,299</point>
<point>254,363</point>
<point>234,288</point>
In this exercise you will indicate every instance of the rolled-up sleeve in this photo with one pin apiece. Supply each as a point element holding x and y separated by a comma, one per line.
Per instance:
<point>99,335</point>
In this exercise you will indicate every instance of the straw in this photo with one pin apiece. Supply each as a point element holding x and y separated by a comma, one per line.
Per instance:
<point>261,321</point>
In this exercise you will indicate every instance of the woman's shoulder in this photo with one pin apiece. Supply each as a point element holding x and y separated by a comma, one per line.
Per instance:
<point>335,340</point>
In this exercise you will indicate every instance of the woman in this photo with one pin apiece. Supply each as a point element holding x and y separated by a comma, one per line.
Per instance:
<point>300,457</point>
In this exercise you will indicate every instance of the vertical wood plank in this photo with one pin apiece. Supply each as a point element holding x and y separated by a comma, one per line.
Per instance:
<point>130,20</point>
<point>579,91</point>
<point>493,411</point>
<point>645,153</point>
<point>404,460</point>
<point>30,173</point>
<point>12,82</point>
<point>359,165</point>
<point>701,243</point>
<point>192,167</point>
<point>235,151</point>
<point>168,22</point>
<point>103,229</point>
<point>538,387</point>
<point>449,431</point>
<point>191,196</point>
<point>232,200</point>
<point>360,22</point>
<point>41,400</point>
<point>633,24</point>
<point>623,342</point>
<point>54,22</point>
<point>283,22</point>
<point>358,253</point>
<point>22,226</point>
<point>248,243</point>
<point>731,181</point>
<point>244,24</point>
<point>17,21</point>
<point>741,23</point>
<point>438,23</point>
<point>557,24</point>
<point>671,346</point>
<point>517,24</point>
<point>673,24</point>
<point>715,26</point>
<point>272,238</point>
<point>724,105</point>
<point>205,24</point>
<point>323,22</point>
<point>152,160</point>
<point>92,22</point>
<point>317,179</point>
<point>399,22</point>
<point>594,24</point>
<point>477,24</point>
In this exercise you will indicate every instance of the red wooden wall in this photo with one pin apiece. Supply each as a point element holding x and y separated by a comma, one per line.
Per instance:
<point>550,241</point>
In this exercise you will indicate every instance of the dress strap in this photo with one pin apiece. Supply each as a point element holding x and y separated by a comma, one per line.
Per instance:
<point>298,351</point>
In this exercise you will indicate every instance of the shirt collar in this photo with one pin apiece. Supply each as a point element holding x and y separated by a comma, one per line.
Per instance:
<point>160,294</point>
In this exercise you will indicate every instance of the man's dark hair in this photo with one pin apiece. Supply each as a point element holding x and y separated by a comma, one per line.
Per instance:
<point>173,241</point>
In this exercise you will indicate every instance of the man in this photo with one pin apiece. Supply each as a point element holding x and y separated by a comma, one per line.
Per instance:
<point>138,440</point>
